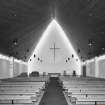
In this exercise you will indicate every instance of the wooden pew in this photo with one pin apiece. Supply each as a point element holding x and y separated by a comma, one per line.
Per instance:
<point>79,91</point>
<point>17,99</point>
<point>21,92</point>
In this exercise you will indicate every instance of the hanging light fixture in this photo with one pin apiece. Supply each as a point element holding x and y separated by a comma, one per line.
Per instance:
<point>72,55</point>
<point>16,53</point>
<point>25,57</point>
<point>34,55</point>
<point>38,59</point>
<point>78,51</point>
<point>27,50</point>
<point>15,41</point>
<point>68,58</point>
<point>91,42</point>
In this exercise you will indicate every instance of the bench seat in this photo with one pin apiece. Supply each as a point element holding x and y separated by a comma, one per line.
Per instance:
<point>17,99</point>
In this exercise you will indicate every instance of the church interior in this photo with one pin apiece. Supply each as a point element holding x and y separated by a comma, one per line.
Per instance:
<point>52,52</point>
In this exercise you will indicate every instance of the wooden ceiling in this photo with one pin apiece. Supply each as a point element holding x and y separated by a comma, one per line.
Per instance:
<point>22,23</point>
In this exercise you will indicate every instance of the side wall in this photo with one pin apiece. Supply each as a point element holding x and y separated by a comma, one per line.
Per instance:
<point>101,68</point>
<point>90,69</point>
<point>4,68</point>
<point>10,67</point>
<point>95,67</point>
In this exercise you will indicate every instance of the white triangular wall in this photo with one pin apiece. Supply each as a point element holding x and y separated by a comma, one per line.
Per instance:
<point>54,35</point>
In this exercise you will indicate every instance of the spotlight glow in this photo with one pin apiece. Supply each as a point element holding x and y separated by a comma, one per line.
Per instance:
<point>66,39</point>
<point>43,39</point>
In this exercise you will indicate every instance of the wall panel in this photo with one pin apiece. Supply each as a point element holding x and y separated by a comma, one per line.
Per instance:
<point>11,67</point>
<point>102,68</point>
<point>4,69</point>
<point>90,69</point>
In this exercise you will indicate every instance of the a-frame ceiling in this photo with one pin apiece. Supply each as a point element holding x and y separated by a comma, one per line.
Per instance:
<point>22,23</point>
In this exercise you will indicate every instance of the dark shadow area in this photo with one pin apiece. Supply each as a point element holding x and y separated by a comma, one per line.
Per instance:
<point>53,94</point>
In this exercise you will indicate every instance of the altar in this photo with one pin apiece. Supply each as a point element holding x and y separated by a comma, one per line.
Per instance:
<point>54,74</point>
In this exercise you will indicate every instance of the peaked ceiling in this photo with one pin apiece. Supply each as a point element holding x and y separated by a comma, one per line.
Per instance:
<point>22,23</point>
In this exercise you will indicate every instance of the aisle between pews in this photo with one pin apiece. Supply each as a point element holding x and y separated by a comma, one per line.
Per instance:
<point>54,94</point>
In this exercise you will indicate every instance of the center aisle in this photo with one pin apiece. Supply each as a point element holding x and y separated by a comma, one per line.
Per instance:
<point>54,94</point>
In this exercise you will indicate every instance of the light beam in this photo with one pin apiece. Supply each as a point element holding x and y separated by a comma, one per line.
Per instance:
<point>43,39</point>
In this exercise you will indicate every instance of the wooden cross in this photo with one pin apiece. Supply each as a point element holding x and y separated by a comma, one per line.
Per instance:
<point>54,48</point>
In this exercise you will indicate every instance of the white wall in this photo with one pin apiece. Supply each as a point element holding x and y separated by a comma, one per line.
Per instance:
<point>4,68</point>
<point>90,67</point>
<point>19,67</point>
<point>54,34</point>
<point>101,68</point>
<point>95,67</point>
<point>10,67</point>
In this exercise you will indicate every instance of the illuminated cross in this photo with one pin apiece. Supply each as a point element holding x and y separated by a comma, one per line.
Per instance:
<point>54,48</point>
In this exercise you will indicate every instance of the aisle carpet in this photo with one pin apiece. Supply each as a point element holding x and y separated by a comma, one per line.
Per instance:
<point>53,94</point>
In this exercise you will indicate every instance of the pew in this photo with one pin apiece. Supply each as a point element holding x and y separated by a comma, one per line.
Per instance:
<point>84,91</point>
<point>22,91</point>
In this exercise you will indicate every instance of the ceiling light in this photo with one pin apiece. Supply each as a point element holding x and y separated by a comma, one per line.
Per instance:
<point>15,41</point>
